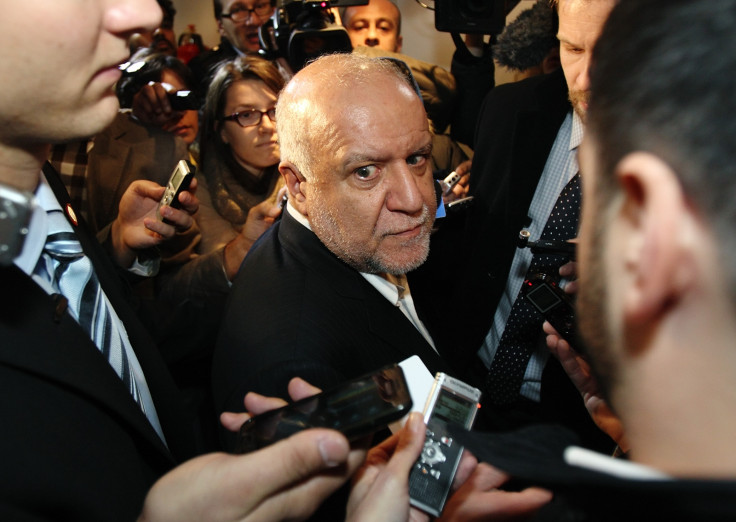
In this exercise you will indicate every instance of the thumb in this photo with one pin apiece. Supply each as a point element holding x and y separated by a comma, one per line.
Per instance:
<point>299,457</point>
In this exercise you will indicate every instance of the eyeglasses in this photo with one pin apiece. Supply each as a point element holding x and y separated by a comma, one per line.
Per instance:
<point>241,13</point>
<point>251,117</point>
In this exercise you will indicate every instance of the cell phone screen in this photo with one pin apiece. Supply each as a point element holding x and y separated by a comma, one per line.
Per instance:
<point>356,408</point>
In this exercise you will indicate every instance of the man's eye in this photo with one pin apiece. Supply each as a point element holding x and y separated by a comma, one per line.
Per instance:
<point>359,26</point>
<point>365,172</point>
<point>416,159</point>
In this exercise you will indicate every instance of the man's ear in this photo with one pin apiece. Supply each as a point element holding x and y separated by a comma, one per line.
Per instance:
<point>220,29</point>
<point>399,43</point>
<point>655,235</point>
<point>295,184</point>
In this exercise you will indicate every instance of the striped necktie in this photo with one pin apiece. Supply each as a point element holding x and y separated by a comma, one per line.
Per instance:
<point>70,273</point>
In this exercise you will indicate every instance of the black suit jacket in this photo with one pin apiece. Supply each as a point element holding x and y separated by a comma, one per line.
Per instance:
<point>75,444</point>
<point>471,253</point>
<point>295,310</point>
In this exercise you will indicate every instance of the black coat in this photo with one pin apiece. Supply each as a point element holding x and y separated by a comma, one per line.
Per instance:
<point>296,310</point>
<point>75,445</point>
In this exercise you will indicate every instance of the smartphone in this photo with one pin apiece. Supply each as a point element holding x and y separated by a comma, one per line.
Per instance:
<point>356,408</point>
<point>179,181</point>
<point>557,307</point>
<point>450,402</point>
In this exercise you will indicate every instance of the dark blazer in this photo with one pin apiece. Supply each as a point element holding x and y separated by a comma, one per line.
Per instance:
<point>75,445</point>
<point>471,254</point>
<point>295,310</point>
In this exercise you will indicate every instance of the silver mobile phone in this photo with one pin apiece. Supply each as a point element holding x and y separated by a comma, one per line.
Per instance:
<point>450,401</point>
<point>179,181</point>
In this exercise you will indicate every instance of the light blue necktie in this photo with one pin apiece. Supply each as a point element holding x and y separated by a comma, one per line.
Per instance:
<point>71,274</point>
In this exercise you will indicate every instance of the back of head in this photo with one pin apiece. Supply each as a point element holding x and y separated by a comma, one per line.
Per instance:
<point>331,80</point>
<point>662,82</point>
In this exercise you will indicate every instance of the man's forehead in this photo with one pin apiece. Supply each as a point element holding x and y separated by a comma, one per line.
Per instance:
<point>229,4</point>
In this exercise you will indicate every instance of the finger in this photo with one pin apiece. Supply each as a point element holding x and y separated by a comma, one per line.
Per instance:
<point>189,202</point>
<point>256,403</point>
<point>569,269</point>
<point>299,389</point>
<point>522,503</point>
<point>159,228</point>
<point>300,456</point>
<point>410,444</point>
<point>233,421</point>
<point>465,469</point>
<point>180,219</point>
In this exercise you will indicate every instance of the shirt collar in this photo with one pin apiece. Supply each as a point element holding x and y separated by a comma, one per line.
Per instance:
<point>45,201</point>
<point>576,136</point>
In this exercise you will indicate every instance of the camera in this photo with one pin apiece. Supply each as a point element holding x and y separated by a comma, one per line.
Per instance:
<point>301,30</point>
<point>470,16</point>
<point>183,101</point>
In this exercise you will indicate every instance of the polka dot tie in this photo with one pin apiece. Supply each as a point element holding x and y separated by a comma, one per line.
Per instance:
<point>524,325</point>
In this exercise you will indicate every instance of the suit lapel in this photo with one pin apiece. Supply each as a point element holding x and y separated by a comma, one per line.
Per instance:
<point>384,321</point>
<point>160,383</point>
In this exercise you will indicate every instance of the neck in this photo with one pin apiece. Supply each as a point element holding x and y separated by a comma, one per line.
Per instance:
<point>678,401</point>
<point>20,167</point>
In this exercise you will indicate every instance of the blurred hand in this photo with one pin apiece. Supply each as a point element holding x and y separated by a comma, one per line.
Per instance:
<point>151,106</point>
<point>578,369</point>
<point>137,227</point>
<point>381,486</point>
<point>480,499</point>
<point>460,190</point>
<point>260,218</point>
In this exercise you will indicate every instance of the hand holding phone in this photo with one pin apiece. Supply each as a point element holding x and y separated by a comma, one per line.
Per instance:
<point>356,408</point>
<point>179,181</point>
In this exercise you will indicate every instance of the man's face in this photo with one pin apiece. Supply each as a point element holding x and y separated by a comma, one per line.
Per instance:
<point>372,202</point>
<point>187,126</point>
<point>596,300</point>
<point>164,40</point>
<point>244,34</point>
<point>255,147</point>
<point>581,22</point>
<point>374,25</point>
<point>58,84</point>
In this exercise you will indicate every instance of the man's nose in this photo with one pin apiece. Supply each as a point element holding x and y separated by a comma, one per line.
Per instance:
<point>405,191</point>
<point>371,39</point>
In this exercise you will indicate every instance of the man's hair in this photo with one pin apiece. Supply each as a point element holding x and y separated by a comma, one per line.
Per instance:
<point>249,67</point>
<point>527,40</point>
<point>300,112</point>
<point>167,7</point>
<point>662,81</point>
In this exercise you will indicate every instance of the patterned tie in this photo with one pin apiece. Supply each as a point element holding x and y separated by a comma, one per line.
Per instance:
<point>523,327</point>
<point>70,272</point>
